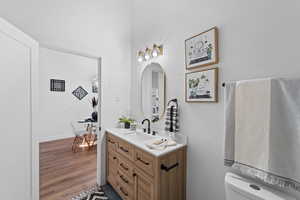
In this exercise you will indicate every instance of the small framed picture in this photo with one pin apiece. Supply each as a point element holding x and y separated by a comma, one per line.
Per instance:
<point>202,86</point>
<point>57,85</point>
<point>202,49</point>
<point>80,93</point>
<point>95,86</point>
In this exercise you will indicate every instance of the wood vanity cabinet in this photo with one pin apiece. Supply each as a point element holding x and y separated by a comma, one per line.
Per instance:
<point>138,175</point>
<point>112,162</point>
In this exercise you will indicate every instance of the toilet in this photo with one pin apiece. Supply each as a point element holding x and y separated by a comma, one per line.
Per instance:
<point>240,188</point>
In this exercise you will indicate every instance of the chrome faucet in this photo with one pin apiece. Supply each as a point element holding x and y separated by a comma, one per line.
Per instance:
<point>148,129</point>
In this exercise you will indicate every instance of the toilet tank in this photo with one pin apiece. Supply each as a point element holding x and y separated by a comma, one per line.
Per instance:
<point>239,188</point>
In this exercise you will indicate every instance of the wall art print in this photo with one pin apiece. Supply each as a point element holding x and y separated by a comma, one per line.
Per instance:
<point>202,86</point>
<point>202,50</point>
<point>80,93</point>
<point>95,86</point>
<point>57,85</point>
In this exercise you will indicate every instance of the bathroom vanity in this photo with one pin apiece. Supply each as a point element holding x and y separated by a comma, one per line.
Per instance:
<point>137,172</point>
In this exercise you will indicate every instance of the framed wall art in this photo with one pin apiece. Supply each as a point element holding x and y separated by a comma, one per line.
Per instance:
<point>202,86</point>
<point>95,86</point>
<point>57,85</point>
<point>80,93</point>
<point>202,49</point>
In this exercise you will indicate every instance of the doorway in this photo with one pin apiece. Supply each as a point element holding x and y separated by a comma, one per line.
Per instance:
<point>68,131</point>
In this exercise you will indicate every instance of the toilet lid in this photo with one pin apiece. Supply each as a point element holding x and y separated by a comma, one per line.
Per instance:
<point>252,189</point>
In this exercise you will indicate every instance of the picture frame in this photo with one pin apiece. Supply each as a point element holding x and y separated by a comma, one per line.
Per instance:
<point>57,85</point>
<point>202,50</point>
<point>95,86</point>
<point>202,86</point>
<point>80,93</point>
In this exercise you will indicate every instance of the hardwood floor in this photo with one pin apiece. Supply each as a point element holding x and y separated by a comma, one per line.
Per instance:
<point>63,173</point>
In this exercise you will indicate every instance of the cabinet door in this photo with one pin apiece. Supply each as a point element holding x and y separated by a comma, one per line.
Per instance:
<point>125,187</point>
<point>112,167</point>
<point>172,176</point>
<point>144,187</point>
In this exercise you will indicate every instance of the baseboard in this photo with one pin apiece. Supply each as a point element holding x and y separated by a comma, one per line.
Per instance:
<point>55,137</point>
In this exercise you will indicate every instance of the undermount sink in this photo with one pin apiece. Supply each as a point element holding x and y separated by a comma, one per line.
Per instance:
<point>125,131</point>
<point>141,137</point>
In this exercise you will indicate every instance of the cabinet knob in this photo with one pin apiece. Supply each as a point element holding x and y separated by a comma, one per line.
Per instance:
<point>134,174</point>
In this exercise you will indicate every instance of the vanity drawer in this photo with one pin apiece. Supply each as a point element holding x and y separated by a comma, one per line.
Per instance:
<point>125,149</point>
<point>126,167</point>
<point>125,180</point>
<point>125,192</point>
<point>112,142</point>
<point>112,163</point>
<point>144,161</point>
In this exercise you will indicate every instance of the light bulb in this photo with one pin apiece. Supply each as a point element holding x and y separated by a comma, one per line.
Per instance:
<point>148,54</point>
<point>140,59</point>
<point>141,56</point>
<point>154,53</point>
<point>157,50</point>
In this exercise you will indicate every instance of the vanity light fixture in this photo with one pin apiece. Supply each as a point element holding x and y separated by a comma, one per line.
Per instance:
<point>150,53</point>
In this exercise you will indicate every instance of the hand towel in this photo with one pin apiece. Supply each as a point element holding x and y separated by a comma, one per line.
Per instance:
<point>172,121</point>
<point>229,108</point>
<point>267,131</point>
<point>160,144</point>
<point>252,127</point>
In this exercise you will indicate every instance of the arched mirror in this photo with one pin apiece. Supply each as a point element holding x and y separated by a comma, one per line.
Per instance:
<point>153,92</point>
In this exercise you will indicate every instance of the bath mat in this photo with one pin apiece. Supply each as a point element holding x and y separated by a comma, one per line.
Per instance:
<point>93,193</point>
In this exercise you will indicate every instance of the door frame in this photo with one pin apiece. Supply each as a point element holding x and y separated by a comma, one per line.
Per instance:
<point>35,152</point>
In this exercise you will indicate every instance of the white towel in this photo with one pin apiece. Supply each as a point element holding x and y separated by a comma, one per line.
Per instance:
<point>160,144</point>
<point>267,130</point>
<point>285,128</point>
<point>262,130</point>
<point>252,127</point>
<point>229,106</point>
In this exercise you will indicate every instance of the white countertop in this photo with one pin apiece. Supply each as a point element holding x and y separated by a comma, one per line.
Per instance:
<point>140,139</point>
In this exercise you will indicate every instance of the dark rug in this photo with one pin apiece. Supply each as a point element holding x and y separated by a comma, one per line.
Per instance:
<point>97,193</point>
<point>94,193</point>
<point>110,192</point>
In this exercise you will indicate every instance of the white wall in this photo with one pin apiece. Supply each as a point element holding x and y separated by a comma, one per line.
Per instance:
<point>257,39</point>
<point>57,109</point>
<point>94,27</point>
